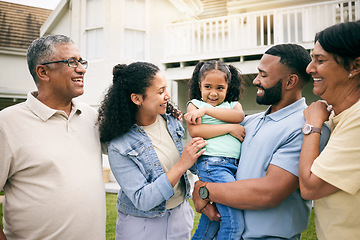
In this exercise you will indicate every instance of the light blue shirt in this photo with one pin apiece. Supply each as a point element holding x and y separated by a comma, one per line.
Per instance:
<point>225,145</point>
<point>275,139</point>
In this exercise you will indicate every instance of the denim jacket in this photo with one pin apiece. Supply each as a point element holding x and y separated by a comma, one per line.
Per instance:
<point>144,187</point>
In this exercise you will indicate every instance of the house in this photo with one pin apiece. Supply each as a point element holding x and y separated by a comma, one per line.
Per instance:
<point>109,32</point>
<point>19,26</point>
<point>173,34</point>
<point>177,34</point>
<point>242,33</point>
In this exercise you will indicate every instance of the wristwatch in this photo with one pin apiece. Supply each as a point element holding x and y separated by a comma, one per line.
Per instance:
<point>204,192</point>
<point>307,129</point>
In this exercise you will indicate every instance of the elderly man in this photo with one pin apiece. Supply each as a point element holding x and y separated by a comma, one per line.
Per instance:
<point>50,157</point>
<point>267,186</point>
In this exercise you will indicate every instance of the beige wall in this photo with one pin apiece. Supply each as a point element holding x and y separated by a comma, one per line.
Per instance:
<point>14,73</point>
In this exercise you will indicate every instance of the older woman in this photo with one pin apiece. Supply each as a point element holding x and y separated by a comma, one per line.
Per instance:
<point>332,178</point>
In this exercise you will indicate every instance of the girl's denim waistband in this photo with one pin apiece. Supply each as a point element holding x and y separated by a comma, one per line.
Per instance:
<point>204,158</point>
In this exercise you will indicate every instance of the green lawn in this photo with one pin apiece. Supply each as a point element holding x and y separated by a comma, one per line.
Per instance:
<point>309,234</point>
<point>110,216</point>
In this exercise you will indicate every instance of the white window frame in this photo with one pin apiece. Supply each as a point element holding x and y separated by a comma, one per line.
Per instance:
<point>97,25</point>
<point>144,29</point>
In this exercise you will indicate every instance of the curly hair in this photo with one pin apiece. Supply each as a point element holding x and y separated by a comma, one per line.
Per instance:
<point>232,77</point>
<point>117,113</point>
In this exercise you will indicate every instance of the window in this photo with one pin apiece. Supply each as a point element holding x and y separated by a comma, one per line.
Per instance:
<point>134,44</point>
<point>94,29</point>
<point>135,30</point>
<point>95,44</point>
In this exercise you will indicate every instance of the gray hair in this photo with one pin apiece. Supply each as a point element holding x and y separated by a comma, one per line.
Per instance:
<point>42,49</point>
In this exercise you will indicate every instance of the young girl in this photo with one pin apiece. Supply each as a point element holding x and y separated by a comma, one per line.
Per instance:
<point>146,155</point>
<point>213,114</point>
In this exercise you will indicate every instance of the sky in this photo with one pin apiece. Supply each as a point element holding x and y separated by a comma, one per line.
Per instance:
<point>48,4</point>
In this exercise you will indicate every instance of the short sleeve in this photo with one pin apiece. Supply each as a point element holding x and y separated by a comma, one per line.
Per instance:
<point>287,156</point>
<point>339,162</point>
<point>233,104</point>
<point>5,159</point>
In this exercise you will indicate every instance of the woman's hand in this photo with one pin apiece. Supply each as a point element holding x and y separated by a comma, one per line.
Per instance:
<point>317,113</point>
<point>192,151</point>
<point>190,154</point>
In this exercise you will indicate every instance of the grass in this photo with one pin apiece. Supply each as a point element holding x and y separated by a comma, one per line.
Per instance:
<point>308,234</point>
<point>196,217</point>
<point>110,216</point>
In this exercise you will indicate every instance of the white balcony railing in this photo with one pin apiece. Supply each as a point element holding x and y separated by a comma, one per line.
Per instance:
<point>244,33</point>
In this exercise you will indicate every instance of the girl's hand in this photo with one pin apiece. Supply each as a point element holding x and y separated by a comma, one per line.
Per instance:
<point>194,117</point>
<point>238,131</point>
<point>317,113</point>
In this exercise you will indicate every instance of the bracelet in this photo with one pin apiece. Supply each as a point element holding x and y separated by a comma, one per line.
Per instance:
<point>204,207</point>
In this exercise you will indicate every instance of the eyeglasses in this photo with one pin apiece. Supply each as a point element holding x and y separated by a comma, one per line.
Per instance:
<point>71,62</point>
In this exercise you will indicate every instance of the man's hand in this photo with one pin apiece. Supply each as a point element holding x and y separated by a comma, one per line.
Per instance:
<point>203,206</point>
<point>211,212</point>
<point>198,201</point>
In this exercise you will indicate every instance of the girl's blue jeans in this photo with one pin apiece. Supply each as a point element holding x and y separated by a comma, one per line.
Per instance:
<point>219,169</point>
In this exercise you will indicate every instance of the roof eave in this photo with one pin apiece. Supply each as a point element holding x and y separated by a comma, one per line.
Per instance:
<point>189,7</point>
<point>13,51</point>
<point>54,17</point>
<point>12,93</point>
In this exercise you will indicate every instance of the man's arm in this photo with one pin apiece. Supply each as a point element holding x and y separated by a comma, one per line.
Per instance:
<point>251,194</point>
<point>5,157</point>
<point>2,235</point>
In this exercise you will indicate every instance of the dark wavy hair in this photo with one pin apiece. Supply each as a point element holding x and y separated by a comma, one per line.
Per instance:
<point>342,41</point>
<point>117,113</point>
<point>232,77</point>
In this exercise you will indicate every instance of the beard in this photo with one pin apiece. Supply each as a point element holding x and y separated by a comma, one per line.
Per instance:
<point>271,95</point>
